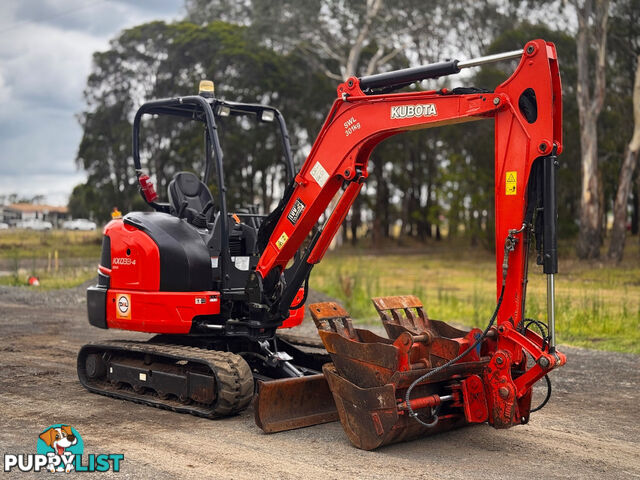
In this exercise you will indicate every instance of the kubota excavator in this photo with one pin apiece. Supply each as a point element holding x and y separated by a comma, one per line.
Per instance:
<point>217,286</point>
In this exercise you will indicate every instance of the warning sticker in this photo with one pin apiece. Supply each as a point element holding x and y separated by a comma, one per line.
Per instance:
<point>123,306</point>
<point>282,240</point>
<point>511,183</point>
<point>319,174</point>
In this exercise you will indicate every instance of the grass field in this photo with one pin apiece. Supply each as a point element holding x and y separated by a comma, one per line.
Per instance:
<point>597,305</point>
<point>24,253</point>
<point>28,243</point>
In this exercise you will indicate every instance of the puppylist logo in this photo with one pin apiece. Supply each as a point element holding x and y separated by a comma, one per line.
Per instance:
<point>59,449</point>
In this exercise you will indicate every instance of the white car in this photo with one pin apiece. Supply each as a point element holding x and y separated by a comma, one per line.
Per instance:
<point>4,226</point>
<point>35,224</point>
<point>79,224</point>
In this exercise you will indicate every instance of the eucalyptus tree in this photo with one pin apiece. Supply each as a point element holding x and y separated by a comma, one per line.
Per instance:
<point>158,60</point>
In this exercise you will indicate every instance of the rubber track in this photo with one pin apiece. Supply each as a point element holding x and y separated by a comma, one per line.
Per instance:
<point>234,380</point>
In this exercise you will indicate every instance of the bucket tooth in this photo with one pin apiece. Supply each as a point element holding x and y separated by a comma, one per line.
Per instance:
<point>331,317</point>
<point>401,313</point>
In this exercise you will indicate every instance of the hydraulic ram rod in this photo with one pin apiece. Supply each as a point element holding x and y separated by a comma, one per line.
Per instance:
<point>551,311</point>
<point>432,70</point>
<point>498,57</point>
<point>550,240</point>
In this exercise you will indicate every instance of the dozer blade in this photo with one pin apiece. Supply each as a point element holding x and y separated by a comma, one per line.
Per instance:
<point>289,403</point>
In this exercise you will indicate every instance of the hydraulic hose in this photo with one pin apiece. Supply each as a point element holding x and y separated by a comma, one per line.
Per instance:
<point>509,246</point>
<point>301,303</point>
<point>546,398</point>
<point>431,373</point>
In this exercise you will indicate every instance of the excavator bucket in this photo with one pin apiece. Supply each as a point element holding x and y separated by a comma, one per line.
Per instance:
<point>370,416</point>
<point>370,374</point>
<point>290,403</point>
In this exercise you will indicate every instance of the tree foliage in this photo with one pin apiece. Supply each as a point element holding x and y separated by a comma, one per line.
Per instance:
<point>292,54</point>
<point>158,60</point>
<point>362,37</point>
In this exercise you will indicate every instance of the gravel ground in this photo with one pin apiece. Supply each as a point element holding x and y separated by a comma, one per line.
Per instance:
<point>588,430</point>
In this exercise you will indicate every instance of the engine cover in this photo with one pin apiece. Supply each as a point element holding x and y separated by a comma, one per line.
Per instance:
<point>155,251</point>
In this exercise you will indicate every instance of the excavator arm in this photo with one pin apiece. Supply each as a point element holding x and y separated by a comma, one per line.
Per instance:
<point>527,111</point>
<point>527,114</point>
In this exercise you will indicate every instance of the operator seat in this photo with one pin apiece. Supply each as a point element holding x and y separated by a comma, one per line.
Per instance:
<point>188,197</point>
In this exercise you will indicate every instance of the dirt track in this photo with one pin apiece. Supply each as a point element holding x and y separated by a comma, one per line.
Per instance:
<point>590,428</point>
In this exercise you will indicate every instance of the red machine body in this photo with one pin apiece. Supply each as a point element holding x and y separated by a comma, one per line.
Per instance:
<point>134,299</point>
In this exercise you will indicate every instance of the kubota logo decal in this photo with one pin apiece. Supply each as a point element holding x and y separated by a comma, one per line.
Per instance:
<point>412,111</point>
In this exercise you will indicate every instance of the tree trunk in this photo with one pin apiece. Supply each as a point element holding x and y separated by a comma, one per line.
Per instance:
<point>373,8</point>
<point>356,212</point>
<point>380,209</point>
<point>590,218</point>
<point>634,209</point>
<point>427,208</point>
<point>592,30</point>
<point>638,197</point>
<point>619,232</point>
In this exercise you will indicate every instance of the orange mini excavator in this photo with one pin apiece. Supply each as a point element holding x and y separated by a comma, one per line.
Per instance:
<point>217,286</point>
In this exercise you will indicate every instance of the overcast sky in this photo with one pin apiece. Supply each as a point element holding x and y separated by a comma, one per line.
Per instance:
<point>45,58</point>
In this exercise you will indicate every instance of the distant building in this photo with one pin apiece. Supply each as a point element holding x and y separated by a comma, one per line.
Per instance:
<point>17,212</point>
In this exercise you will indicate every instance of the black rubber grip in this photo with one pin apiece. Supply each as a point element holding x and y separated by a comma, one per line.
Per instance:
<point>409,75</point>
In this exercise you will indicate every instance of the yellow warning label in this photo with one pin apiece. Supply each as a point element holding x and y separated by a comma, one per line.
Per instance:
<point>511,183</point>
<point>282,240</point>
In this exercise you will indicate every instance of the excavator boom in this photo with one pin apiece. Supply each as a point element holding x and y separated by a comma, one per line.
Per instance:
<point>494,381</point>
<point>527,113</point>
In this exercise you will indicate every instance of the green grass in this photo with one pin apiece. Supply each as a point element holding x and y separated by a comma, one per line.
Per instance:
<point>597,305</point>
<point>28,244</point>
<point>24,253</point>
<point>64,278</point>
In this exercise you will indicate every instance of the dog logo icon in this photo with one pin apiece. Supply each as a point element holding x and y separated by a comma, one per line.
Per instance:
<point>60,448</point>
<point>61,443</point>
